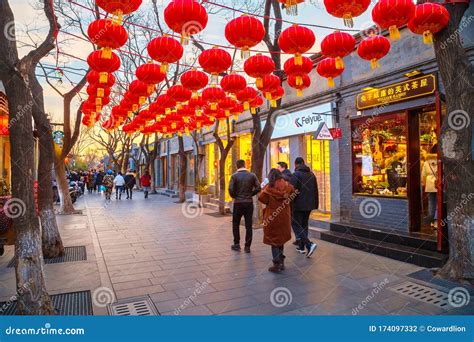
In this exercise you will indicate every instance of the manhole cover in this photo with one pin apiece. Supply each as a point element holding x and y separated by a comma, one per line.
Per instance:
<point>422,293</point>
<point>135,307</point>
<point>71,254</point>
<point>67,304</point>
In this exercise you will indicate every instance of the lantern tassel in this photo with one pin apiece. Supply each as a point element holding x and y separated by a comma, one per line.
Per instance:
<point>298,59</point>
<point>227,112</point>
<point>244,52</point>
<point>291,7</point>
<point>394,32</point>
<point>142,100</point>
<point>100,92</point>
<point>106,53</point>
<point>259,82</point>
<point>330,82</point>
<point>103,77</point>
<point>246,105</point>
<point>339,63</point>
<point>299,92</point>
<point>118,17</point>
<point>135,107</point>
<point>184,38</point>
<point>273,103</point>
<point>150,89</point>
<point>236,117</point>
<point>213,106</point>
<point>299,80</point>
<point>268,96</point>
<point>214,78</point>
<point>374,63</point>
<point>164,67</point>
<point>427,38</point>
<point>348,22</point>
<point>253,111</point>
<point>198,112</point>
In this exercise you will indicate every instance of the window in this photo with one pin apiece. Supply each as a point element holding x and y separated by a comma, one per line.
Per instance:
<point>379,153</point>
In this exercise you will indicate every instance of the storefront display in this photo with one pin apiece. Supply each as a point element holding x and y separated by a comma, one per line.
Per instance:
<point>211,168</point>
<point>317,157</point>
<point>280,151</point>
<point>245,149</point>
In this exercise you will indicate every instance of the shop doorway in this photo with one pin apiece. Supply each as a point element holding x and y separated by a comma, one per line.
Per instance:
<point>317,157</point>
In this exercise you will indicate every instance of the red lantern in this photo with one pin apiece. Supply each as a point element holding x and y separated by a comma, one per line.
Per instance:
<point>179,93</point>
<point>86,120</point>
<point>119,7</point>
<point>165,50</point>
<point>197,103</point>
<point>147,115</point>
<point>244,33</point>
<point>213,95</point>
<point>151,74</point>
<point>237,110</point>
<point>346,9</point>
<point>276,95</point>
<point>227,104</point>
<point>258,66</point>
<point>296,40</point>
<point>4,125</point>
<point>269,84</point>
<point>428,18</point>
<point>300,85</point>
<point>246,96</point>
<point>104,66</point>
<point>186,17</point>
<point>166,102</point>
<point>93,77</point>
<point>194,80</point>
<point>373,48</point>
<point>215,61</point>
<point>97,91</point>
<point>298,71</point>
<point>107,35</point>
<point>257,102</point>
<point>140,89</point>
<point>328,68</point>
<point>338,45</point>
<point>393,14</point>
<point>233,83</point>
<point>291,6</point>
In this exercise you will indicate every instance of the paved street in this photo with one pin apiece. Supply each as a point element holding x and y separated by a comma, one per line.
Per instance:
<point>183,261</point>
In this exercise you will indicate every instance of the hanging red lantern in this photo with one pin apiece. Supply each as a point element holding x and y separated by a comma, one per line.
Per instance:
<point>257,102</point>
<point>194,80</point>
<point>86,120</point>
<point>393,14</point>
<point>213,95</point>
<point>296,40</point>
<point>373,48</point>
<point>104,66</point>
<point>197,103</point>
<point>166,102</point>
<point>298,71</point>
<point>233,83</point>
<point>429,18</point>
<point>227,104</point>
<point>147,115</point>
<point>328,68</point>
<point>237,110</point>
<point>269,84</point>
<point>93,77</point>
<point>185,17</point>
<point>291,6</point>
<point>258,66</point>
<point>140,89</point>
<point>346,9</point>
<point>179,93</point>
<point>338,45</point>
<point>97,91</point>
<point>119,7</point>
<point>276,95</point>
<point>89,107</point>
<point>107,35</point>
<point>4,125</point>
<point>151,74</point>
<point>300,85</point>
<point>246,96</point>
<point>215,61</point>
<point>165,50</point>
<point>244,32</point>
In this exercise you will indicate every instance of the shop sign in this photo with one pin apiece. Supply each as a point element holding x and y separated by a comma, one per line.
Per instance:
<point>336,132</point>
<point>402,91</point>
<point>323,132</point>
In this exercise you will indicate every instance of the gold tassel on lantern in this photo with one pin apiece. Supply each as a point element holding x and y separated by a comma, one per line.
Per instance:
<point>246,105</point>
<point>198,112</point>
<point>236,117</point>
<point>227,112</point>
<point>103,77</point>
<point>394,32</point>
<point>339,63</point>
<point>298,59</point>
<point>273,103</point>
<point>213,106</point>
<point>299,92</point>
<point>348,22</point>
<point>150,89</point>
<point>259,82</point>
<point>135,107</point>
<point>330,82</point>
<point>374,63</point>
<point>253,111</point>
<point>164,67</point>
<point>142,100</point>
<point>291,7</point>
<point>98,101</point>
<point>173,125</point>
<point>184,38</point>
<point>244,52</point>
<point>106,52</point>
<point>427,37</point>
<point>268,96</point>
<point>100,92</point>
<point>167,111</point>
<point>118,17</point>
<point>299,80</point>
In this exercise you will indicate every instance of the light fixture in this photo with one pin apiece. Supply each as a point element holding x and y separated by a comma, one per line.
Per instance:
<point>368,88</point>
<point>413,73</point>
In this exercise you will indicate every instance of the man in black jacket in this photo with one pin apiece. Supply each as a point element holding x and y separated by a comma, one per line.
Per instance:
<point>130,182</point>
<point>243,186</point>
<point>306,200</point>
<point>283,168</point>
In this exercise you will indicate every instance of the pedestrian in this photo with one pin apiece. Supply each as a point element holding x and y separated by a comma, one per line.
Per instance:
<point>130,182</point>
<point>306,200</point>
<point>98,181</point>
<point>277,196</point>
<point>90,181</point>
<point>243,185</point>
<point>283,168</point>
<point>108,183</point>
<point>145,182</point>
<point>119,183</point>
<point>429,176</point>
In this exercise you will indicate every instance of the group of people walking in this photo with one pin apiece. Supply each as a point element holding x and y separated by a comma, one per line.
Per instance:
<point>289,199</point>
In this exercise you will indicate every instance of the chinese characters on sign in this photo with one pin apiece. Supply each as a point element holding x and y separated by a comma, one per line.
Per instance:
<point>412,88</point>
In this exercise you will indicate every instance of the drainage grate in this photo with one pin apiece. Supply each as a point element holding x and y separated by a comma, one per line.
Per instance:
<point>422,293</point>
<point>67,304</point>
<point>135,307</point>
<point>77,253</point>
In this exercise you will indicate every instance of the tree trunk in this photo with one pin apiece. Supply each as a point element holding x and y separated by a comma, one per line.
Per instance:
<point>153,176</point>
<point>222,186</point>
<point>456,138</point>
<point>31,290</point>
<point>182,171</point>
<point>63,188</point>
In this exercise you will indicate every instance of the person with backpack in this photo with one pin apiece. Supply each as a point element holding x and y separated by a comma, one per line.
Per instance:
<point>108,184</point>
<point>130,182</point>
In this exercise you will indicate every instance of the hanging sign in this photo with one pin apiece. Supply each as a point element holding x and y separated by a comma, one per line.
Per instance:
<point>323,132</point>
<point>402,91</point>
<point>336,132</point>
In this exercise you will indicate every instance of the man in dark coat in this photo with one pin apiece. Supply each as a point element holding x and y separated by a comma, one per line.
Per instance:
<point>307,199</point>
<point>283,168</point>
<point>243,186</point>
<point>130,182</point>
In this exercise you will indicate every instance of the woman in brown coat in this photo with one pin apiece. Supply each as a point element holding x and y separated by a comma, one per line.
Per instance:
<point>277,196</point>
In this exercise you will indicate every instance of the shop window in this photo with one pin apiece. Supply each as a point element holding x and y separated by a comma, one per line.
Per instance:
<point>379,151</point>
<point>245,149</point>
<point>317,157</point>
<point>190,169</point>
<point>280,152</point>
<point>211,168</point>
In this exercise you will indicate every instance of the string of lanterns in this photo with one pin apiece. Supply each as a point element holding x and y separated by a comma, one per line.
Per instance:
<point>198,100</point>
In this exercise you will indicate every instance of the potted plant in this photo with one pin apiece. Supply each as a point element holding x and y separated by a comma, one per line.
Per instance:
<point>202,191</point>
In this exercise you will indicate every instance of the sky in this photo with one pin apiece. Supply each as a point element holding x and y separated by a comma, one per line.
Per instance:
<point>27,18</point>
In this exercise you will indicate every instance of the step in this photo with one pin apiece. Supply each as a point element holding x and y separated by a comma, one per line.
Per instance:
<point>394,237</point>
<point>215,207</point>
<point>407,254</point>
<point>168,194</point>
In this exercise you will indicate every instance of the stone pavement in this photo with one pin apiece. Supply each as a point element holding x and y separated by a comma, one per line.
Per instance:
<point>180,257</point>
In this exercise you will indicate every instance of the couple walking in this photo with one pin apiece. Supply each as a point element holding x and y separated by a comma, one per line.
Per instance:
<point>288,199</point>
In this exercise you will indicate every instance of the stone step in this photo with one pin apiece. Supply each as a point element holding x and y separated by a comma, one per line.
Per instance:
<point>215,207</point>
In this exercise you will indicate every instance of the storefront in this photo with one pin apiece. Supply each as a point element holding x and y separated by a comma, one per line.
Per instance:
<point>170,161</point>
<point>5,165</point>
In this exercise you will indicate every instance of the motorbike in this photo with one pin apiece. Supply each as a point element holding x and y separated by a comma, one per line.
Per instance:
<point>74,191</point>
